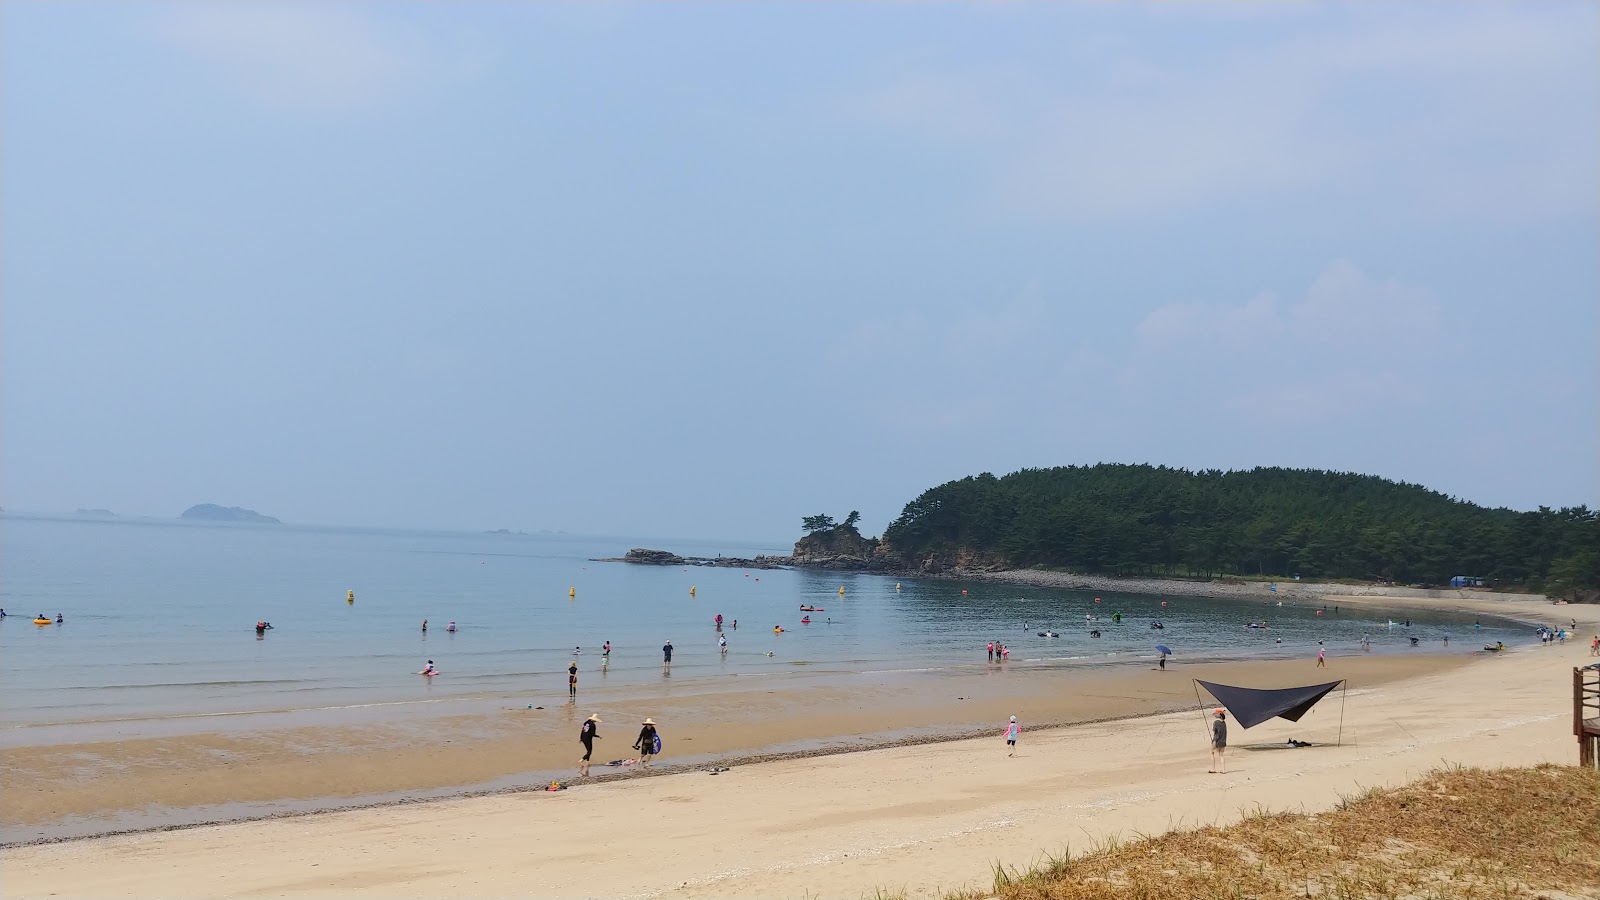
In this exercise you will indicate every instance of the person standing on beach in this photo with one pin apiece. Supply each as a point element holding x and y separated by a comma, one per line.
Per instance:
<point>646,744</point>
<point>1322,659</point>
<point>666,655</point>
<point>991,651</point>
<point>1012,731</point>
<point>1594,646</point>
<point>1219,742</point>
<point>572,679</point>
<point>586,737</point>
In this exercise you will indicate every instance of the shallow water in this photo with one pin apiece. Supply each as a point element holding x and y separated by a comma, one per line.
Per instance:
<point>160,615</point>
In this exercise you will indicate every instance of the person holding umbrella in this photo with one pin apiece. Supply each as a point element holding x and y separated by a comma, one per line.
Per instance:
<point>1165,652</point>
<point>648,744</point>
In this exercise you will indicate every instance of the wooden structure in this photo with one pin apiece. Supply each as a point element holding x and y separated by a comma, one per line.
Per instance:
<point>1586,714</point>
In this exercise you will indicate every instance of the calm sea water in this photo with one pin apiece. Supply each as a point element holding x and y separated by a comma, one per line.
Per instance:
<point>160,620</point>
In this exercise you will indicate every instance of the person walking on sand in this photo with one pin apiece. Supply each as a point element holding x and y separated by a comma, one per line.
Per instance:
<point>1322,657</point>
<point>1594,646</point>
<point>1219,742</point>
<point>1012,730</point>
<point>586,737</point>
<point>666,655</point>
<point>647,743</point>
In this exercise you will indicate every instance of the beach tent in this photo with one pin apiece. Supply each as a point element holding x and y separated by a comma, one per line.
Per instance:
<point>1252,706</point>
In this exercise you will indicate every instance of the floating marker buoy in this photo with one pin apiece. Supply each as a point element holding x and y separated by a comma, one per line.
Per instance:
<point>572,592</point>
<point>349,596</point>
<point>1163,603</point>
<point>691,590</point>
<point>841,590</point>
<point>897,585</point>
<point>1319,612</point>
<point>963,590</point>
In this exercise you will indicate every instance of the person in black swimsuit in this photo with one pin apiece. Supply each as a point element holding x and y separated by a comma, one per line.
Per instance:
<point>586,737</point>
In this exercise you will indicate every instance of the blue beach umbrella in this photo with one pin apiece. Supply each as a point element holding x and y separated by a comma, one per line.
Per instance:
<point>1163,649</point>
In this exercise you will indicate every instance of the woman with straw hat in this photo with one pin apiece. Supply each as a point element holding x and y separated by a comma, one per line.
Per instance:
<point>648,743</point>
<point>586,737</point>
<point>1219,741</point>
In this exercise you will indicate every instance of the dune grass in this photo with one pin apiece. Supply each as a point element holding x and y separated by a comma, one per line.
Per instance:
<point>1458,833</point>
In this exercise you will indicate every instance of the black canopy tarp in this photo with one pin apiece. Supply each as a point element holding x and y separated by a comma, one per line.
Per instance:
<point>1252,706</point>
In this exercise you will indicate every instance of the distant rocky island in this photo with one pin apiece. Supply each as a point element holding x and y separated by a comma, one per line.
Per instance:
<point>96,513</point>
<point>210,512</point>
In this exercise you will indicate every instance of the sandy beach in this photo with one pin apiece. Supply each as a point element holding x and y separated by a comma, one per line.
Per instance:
<point>922,818</point>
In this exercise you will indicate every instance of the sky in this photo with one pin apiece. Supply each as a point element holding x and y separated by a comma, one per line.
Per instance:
<point>699,270</point>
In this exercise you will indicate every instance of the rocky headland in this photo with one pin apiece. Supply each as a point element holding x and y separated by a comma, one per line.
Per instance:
<point>848,551</point>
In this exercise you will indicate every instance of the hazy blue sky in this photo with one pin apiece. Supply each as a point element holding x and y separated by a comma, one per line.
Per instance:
<point>698,270</point>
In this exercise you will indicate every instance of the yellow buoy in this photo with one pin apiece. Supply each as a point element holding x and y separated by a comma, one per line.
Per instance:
<point>897,585</point>
<point>841,590</point>
<point>691,590</point>
<point>572,592</point>
<point>349,596</point>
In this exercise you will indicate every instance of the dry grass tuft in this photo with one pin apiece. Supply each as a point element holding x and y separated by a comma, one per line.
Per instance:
<point>1459,833</point>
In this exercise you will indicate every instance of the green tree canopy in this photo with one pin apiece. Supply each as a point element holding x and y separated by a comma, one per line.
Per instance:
<point>1140,519</point>
<point>814,524</point>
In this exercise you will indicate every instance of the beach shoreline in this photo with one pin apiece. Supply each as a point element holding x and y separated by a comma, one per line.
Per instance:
<point>77,791</point>
<point>921,819</point>
<point>84,789</point>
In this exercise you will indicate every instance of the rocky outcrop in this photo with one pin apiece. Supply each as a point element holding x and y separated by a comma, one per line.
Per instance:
<point>646,557</point>
<point>844,548</point>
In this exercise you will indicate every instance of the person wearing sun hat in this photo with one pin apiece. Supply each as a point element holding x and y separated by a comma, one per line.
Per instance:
<point>586,737</point>
<point>646,744</point>
<point>1219,741</point>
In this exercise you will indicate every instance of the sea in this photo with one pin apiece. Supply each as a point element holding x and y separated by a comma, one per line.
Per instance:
<point>159,621</point>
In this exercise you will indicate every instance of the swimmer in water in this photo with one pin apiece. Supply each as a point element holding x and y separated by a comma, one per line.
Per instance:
<point>577,651</point>
<point>429,669</point>
<point>722,640</point>
<point>59,620</point>
<point>451,627</point>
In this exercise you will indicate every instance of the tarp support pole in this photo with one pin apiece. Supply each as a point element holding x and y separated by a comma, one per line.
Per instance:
<point>1201,706</point>
<point>1344,694</point>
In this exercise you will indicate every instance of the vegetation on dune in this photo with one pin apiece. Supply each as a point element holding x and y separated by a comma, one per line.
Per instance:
<point>1461,833</point>
<point>1154,520</point>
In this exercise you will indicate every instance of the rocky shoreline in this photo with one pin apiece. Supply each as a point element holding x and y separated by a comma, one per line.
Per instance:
<point>1225,588</point>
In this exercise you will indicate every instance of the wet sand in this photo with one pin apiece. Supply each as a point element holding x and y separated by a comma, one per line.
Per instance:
<point>917,819</point>
<point>94,787</point>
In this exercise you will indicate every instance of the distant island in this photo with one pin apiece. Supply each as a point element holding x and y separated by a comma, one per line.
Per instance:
<point>96,513</point>
<point>1110,522</point>
<point>210,512</point>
